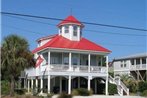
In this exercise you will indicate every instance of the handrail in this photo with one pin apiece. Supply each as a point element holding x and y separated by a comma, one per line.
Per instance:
<point>119,89</point>
<point>120,85</point>
<point>111,78</point>
<point>123,86</point>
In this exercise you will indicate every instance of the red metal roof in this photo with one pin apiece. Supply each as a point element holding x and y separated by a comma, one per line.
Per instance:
<point>61,42</point>
<point>70,19</point>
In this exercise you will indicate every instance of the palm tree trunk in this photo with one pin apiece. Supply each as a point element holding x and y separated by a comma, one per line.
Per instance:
<point>12,86</point>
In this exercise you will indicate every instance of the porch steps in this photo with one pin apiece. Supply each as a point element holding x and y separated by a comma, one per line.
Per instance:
<point>121,87</point>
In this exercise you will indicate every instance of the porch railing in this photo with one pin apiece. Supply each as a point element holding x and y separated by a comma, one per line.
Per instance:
<point>77,68</point>
<point>55,67</point>
<point>138,67</point>
<point>81,68</point>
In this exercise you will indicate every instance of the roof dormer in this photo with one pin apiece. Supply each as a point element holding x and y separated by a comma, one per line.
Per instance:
<point>71,28</point>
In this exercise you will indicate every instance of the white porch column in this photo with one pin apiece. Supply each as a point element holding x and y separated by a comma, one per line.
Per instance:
<point>36,83</point>
<point>60,84</point>
<point>49,66</point>
<point>41,85</point>
<point>89,78</point>
<point>106,88</point>
<point>70,61</point>
<point>135,62</point>
<point>78,82</point>
<point>49,80</point>
<point>89,62</point>
<point>49,61</point>
<point>141,62</point>
<point>106,83</point>
<point>28,85</point>
<point>69,85</point>
<point>32,84</point>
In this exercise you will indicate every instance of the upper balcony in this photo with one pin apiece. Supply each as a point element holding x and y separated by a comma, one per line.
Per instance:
<point>73,62</point>
<point>138,64</point>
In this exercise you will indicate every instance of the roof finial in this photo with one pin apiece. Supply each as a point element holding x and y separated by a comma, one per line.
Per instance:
<point>70,11</point>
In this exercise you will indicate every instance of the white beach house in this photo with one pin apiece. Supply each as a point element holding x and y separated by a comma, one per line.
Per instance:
<point>132,65</point>
<point>66,61</point>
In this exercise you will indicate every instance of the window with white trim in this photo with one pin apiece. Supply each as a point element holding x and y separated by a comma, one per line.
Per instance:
<point>137,61</point>
<point>66,29</point>
<point>75,30</point>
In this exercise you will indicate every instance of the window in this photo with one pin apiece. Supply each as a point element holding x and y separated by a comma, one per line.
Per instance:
<point>143,60</point>
<point>65,59</point>
<point>75,59</point>
<point>132,61</point>
<point>121,64</point>
<point>75,29</point>
<point>60,30</point>
<point>39,43</point>
<point>137,61</point>
<point>56,58</point>
<point>45,56</point>
<point>125,64</point>
<point>66,29</point>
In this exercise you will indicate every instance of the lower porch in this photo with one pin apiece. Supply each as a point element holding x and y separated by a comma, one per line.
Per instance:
<point>59,84</point>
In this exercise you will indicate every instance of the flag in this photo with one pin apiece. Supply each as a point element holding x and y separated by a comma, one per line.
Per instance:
<point>39,61</point>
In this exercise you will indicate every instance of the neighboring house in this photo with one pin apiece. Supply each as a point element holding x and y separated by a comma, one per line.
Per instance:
<point>67,61</point>
<point>133,65</point>
<point>110,69</point>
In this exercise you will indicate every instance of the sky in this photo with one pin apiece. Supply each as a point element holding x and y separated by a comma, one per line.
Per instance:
<point>122,42</point>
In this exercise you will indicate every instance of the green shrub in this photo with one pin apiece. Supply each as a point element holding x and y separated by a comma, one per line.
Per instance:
<point>40,96</point>
<point>132,85</point>
<point>144,93</point>
<point>112,89</point>
<point>75,92</point>
<point>82,92</point>
<point>64,95</point>
<point>111,74</point>
<point>5,87</point>
<point>142,86</point>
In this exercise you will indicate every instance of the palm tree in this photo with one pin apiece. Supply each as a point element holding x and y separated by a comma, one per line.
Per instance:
<point>15,57</point>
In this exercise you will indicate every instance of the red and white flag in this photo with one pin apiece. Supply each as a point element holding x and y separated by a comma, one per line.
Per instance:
<point>39,61</point>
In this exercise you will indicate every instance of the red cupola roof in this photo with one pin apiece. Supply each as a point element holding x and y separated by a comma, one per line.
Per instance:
<point>70,19</point>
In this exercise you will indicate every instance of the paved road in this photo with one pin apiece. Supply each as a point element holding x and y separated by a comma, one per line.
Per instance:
<point>103,96</point>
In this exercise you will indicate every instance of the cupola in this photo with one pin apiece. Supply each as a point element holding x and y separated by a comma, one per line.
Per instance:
<point>71,28</point>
